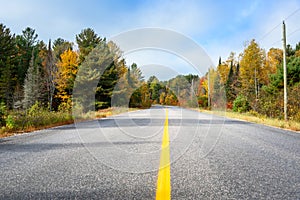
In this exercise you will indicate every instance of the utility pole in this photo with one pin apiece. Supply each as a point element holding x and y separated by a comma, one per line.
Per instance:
<point>208,88</point>
<point>284,72</point>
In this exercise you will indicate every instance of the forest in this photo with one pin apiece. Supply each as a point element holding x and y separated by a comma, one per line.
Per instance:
<point>37,80</point>
<point>253,82</point>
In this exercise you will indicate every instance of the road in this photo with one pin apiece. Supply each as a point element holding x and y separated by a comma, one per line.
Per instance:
<point>119,158</point>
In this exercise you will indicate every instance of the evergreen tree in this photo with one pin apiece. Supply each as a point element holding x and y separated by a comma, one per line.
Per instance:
<point>51,71</point>
<point>8,70</point>
<point>106,85</point>
<point>98,75</point>
<point>229,86</point>
<point>26,43</point>
<point>59,47</point>
<point>32,84</point>
<point>87,40</point>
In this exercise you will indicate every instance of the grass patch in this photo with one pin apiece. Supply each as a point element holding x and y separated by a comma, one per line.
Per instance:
<point>37,118</point>
<point>104,113</point>
<point>20,121</point>
<point>255,117</point>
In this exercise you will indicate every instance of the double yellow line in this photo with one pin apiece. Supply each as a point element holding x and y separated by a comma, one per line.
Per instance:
<point>163,190</point>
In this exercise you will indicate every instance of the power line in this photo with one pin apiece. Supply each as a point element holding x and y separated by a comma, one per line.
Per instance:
<point>295,31</point>
<point>268,33</point>
<point>278,25</point>
<point>297,10</point>
<point>276,42</point>
<point>298,29</point>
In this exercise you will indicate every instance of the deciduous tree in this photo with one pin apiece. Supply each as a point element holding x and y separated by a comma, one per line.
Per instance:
<point>252,70</point>
<point>66,73</point>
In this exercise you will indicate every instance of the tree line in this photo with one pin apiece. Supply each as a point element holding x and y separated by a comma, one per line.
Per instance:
<point>32,70</point>
<point>253,81</point>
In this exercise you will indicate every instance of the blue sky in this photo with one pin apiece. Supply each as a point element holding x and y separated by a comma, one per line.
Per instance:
<point>218,26</point>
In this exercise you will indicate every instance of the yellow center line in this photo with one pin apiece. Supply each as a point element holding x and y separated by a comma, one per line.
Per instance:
<point>163,190</point>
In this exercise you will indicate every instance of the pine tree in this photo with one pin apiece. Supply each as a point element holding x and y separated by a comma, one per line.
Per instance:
<point>8,69</point>
<point>32,87</point>
<point>89,74</point>
<point>87,40</point>
<point>51,71</point>
<point>26,43</point>
<point>229,86</point>
<point>59,47</point>
<point>106,85</point>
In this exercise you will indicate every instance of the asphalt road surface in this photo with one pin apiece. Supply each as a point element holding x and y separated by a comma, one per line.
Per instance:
<point>119,157</point>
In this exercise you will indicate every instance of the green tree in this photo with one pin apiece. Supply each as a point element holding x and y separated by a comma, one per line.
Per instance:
<point>59,47</point>
<point>232,85</point>
<point>241,104</point>
<point>290,51</point>
<point>293,71</point>
<point>8,70</point>
<point>26,43</point>
<point>110,77</point>
<point>98,74</point>
<point>87,40</point>
<point>32,84</point>
<point>50,73</point>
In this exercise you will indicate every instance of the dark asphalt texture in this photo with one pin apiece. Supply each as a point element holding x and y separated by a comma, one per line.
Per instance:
<point>118,158</point>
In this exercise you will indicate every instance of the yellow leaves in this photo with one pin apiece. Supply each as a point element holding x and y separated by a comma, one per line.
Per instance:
<point>67,70</point>
<point>297,53</point>
<point>223,70</point>
<point>252,65</point>
<point>205,86</point>
<point>274,58</point>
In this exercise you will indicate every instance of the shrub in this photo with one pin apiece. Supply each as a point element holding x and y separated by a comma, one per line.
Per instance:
<point>2,114</point>
<point>10,122</point>
<point>270,103</point>
<point>35,109</point>
<point>65,106</point>
<point>202,101</point>
<point>241,104</point>
<point>293,102</point>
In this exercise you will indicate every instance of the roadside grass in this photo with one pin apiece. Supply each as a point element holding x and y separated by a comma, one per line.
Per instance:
<point>257,118</point>
<point>18,122</point>
<point>104,113</point>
